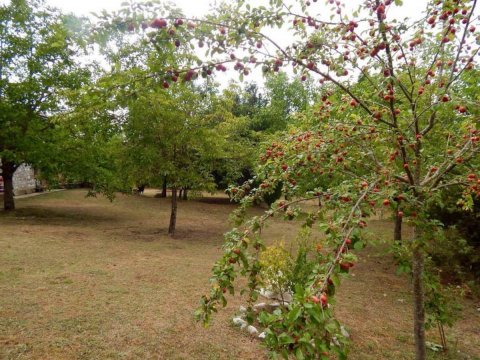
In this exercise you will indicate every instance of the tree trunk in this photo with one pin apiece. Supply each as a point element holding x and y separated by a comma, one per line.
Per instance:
<point>180,193</point>
<point>164,188</point>
<point>397,233</point>
<point>418,300</point>
<point>173,214</point>
<point>8,169</point>
<point>185,195</point>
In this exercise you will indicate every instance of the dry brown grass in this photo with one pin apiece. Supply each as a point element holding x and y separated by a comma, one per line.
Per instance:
<point>83,278</point>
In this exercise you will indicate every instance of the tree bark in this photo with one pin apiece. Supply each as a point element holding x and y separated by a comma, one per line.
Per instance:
<point>173,214</point>
<point>185,195</point>
<point>164,188</point>
<point>8,169</point>
<point>397,232</point>
<point>418,300</point>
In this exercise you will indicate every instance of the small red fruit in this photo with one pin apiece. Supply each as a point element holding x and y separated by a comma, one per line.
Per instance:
<point>386,202</point>
<point>158,23</point>
<point>381,9</point>
<point>189,75</point>
<point>323,299</point>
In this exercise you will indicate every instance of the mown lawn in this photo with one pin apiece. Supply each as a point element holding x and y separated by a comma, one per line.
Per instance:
<point>83,278</point>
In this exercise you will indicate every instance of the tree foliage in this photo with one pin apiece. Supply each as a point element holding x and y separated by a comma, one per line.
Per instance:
<point>37,65</point>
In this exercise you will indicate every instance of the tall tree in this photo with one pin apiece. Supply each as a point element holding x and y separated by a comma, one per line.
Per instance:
<point>415,129</point>
<point>37,45</point>
<point>165,136</point>
<point>284,98</point>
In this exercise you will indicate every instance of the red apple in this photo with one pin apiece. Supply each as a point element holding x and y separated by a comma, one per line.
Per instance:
<point>158,23</point>
<point>323,299</point>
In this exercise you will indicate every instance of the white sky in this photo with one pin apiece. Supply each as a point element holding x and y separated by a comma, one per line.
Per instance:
<point>200,7</point>
<point>84,7</point>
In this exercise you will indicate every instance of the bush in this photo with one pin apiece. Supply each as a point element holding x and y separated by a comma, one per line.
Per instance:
<point>276,263</point>
<point>283,270</point>
<point>457,253</point>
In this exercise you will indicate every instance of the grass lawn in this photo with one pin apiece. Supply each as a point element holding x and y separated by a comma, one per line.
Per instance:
<point>83,278</point>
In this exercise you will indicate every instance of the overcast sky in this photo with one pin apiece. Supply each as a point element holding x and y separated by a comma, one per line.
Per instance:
<point>84,7</point>
<point>201,7</point>
<point>198,8</point>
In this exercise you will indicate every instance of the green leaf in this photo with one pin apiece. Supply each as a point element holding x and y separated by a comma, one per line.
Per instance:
<point>335,280</point>
<point>284,339</point>
<point>359,245</point>
<point>331,327</point>
<point>316,314</point>
<point>294,314</point>
<point>299,354</point>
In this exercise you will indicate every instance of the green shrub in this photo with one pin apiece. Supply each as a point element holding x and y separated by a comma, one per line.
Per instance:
<point>457,253</point>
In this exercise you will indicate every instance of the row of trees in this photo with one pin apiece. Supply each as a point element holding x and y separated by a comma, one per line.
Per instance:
<point>119,127</point>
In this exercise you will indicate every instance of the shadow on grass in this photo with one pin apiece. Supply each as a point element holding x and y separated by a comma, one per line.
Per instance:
<point>68,215</point>
<point>216,201</point>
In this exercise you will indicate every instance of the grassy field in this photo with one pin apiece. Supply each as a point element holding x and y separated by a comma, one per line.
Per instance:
<point>83,278</point>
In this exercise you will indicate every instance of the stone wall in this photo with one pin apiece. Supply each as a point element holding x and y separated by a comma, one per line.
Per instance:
<point>24,180</point>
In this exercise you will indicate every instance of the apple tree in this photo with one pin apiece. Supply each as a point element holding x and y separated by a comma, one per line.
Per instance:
<point>412,125</point>
<point>403,137</point>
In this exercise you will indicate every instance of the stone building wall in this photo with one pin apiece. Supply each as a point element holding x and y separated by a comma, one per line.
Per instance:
<point>23,180</point>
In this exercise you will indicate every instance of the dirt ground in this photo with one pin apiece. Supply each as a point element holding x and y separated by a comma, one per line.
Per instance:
<point>84,278</point>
